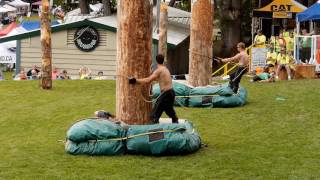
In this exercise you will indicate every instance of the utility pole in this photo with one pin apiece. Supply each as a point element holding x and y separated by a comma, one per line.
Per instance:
<point>163,31</point>
<point>134,46</point>
<point>45,38</point>
<point>200,52</point>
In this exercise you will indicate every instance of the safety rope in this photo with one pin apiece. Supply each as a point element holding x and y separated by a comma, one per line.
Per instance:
<point>134,136</point>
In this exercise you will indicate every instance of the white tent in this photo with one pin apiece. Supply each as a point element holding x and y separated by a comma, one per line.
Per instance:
<point>3,10</point>
<point>19,3</point>
<point>10,8</point>
<point>22,7</point>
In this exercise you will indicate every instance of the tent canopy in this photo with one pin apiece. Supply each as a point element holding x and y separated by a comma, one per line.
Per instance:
<point>10,8</point>
<point>280,9</point>
<point>38,3</point>
<point>3,10</point>
<point>312,13</point>
<point>8,29</point>
<point>19,3</point>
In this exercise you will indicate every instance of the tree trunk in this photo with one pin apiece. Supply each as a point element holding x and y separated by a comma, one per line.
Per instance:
<point>106,7</point>
<point>163,31</point>
<point>84,7</point>
<point>200,53</point>
<point>134,40</point>
<point>46,68</point>
<point>230,19</point>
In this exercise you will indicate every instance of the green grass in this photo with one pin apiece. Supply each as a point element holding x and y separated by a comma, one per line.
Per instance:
<point>265,139</point>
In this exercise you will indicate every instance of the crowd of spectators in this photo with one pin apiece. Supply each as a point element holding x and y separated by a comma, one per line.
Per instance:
<point>281,48</point>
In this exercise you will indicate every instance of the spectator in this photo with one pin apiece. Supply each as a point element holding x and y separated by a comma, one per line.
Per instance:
<point>271,57</point>
<point>305,46</point>
<point>282,42</point>
<point>64,75</point>
<point>100,76</point>
<point>260,39</point>
<point>285,32</point>
<point>55,73</point>
<point>21,76</point>
<point>85,73</point>
<point>1,75</point>
<point>283,62</point>
<point>36,71</point>
<point>264,77</point>
<point>290,42</point>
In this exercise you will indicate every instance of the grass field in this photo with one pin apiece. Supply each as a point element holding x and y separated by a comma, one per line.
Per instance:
<point>275,136</point>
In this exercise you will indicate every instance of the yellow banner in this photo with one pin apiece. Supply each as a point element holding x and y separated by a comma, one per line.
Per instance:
<point>281,15</point>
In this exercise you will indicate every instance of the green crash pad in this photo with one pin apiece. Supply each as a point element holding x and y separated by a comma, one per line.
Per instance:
<point>95,137</point>
<point>207,96</point>
<point>163,139</point>
<point>102,137</point>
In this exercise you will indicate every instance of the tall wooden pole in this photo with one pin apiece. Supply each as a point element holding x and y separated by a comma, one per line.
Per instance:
<point>134,58</point>
<point>200,52</point>
<point>163,31</point>
<point>46,68</point>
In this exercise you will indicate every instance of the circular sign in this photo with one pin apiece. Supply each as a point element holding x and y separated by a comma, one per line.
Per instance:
<point>86,38</point>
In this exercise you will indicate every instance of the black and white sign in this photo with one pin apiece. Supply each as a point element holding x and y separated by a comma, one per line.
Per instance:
<point>7,53</point>
<point>258,57</point>
<point>86,38</point>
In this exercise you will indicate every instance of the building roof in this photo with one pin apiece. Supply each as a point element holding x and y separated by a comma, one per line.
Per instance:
<point>176,32</point>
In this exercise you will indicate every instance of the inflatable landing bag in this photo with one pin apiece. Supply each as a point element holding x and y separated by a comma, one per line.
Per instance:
<point>95,137</point>
<point>231,101</point>
<point>93,129</point>
<point>179,89</point>
<point>95,147</point>
<point>163,139</point>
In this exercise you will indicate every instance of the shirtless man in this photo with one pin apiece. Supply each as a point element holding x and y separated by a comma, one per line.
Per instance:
<point>243,58</point>
<point>167,96</point>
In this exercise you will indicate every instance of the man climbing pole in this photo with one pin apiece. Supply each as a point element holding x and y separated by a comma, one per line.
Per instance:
<point>166,99</point>
<point>243,58</point>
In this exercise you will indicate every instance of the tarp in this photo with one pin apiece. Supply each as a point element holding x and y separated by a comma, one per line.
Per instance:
<point>312,13</point>
<point>8,29</point>
<point>32,25</point>
<point>19,3</point>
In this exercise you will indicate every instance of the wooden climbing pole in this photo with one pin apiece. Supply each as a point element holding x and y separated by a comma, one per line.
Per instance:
<point>163,31</point>
<point>45,38</point>
<point>134,58</point>
<point>200,52</point>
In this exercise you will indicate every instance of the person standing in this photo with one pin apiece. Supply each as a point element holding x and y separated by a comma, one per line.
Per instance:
<point>243,58</point>
<point>305,46</point>
<point>260,39</point>
<point>166,99</point>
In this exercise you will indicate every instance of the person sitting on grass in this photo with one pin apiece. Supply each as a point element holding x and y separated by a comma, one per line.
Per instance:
<point>85,73</point>
<point>21,76</point>
<point>33,71</point>
<point>64,75</point>
<point>100,76</point>
<point>264,77</point>
<point>283,62</point>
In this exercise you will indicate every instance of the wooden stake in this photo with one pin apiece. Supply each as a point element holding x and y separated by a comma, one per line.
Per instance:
<point>163,31</point>
<point>134,40</point>
<point>46,68</point>
<point>200,52</point>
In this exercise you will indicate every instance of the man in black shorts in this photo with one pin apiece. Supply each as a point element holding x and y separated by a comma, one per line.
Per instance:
<point>166,100</point>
